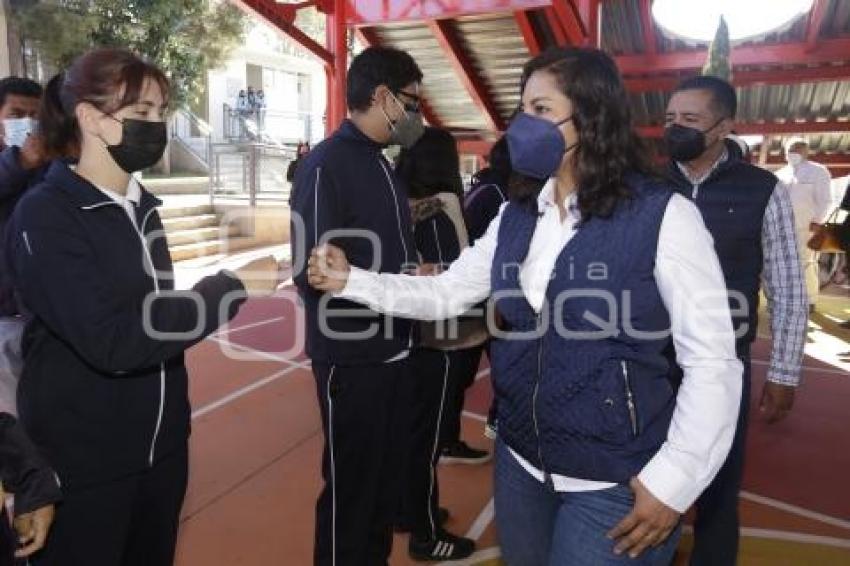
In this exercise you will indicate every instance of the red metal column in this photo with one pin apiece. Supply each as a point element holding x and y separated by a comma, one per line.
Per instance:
<point>527,30</point>
<point>337,39</point>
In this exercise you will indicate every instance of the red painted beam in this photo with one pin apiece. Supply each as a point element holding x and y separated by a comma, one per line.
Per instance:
<point>378,12</point>
<point>523,21</point>
<point>368,37</point>
<point>270,11</point>
<point>447,37</point>
<point>554,22</point>
<point>474,147</point>
<point>565,10</point>
<point>592,20</point>
<point>650,43</point>
<point>750,78</point>
<point>828,51</point>
<point>767,128</point>
<point>816,18</point>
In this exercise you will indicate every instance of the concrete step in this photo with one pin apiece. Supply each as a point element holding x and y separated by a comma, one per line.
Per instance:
<point>170,212</point>
<point>177,185</point>
<point>197,235</point>
<point>190,222</point>
<point>211,247</point>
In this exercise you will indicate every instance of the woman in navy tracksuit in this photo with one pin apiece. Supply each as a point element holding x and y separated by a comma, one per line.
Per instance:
<point>104,387</point>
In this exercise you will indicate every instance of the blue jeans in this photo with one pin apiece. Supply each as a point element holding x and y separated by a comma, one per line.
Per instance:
<point>538,526</point>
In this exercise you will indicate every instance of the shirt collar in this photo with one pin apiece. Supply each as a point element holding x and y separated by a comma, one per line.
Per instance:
<point>546,198</point>
<point>724,156</point>
<point>134,193</point>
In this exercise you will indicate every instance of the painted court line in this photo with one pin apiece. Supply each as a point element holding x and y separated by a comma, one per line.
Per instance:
<point>243,391</point>
<point>795,537</point>
<point>476,416</point>
<point>787,536</point>
<point>802,512</point>
<point>482,374</point>
<point>248,350</point>
<point>482,521</point>
<point>476,559</point>
<point>247,326</point>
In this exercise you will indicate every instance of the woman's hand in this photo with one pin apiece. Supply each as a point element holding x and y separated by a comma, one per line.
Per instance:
<point>648,525</point>
<point>261,276</point>
<point>328,269</point>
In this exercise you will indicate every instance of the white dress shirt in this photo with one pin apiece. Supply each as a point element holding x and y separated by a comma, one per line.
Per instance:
<point>810,187</point>
<point>128,202</point>
<point>691,285</point>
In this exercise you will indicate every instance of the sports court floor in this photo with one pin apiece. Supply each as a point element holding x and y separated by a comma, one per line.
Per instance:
<point>257,441</point>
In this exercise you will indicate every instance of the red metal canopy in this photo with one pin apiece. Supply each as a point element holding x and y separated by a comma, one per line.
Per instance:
<point>471,52</point>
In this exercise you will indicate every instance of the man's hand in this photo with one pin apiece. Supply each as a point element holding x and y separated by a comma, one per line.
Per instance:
<point>328,269</point>
<point>776,401</point>
<point>32,529</point>
<point>32,153</point>
<point>648,525</point>
<point>428,269</point>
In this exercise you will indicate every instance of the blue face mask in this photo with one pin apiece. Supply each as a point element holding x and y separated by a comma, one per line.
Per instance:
<point>537,146</point>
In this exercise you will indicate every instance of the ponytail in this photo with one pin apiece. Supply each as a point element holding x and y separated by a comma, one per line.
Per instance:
<point>58,127</point>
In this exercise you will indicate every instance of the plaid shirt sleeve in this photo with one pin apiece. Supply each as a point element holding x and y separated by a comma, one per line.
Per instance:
<point>787,303</point>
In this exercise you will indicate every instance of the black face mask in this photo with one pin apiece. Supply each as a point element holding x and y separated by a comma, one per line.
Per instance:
<point>142,144</point>
<point>685,144</point>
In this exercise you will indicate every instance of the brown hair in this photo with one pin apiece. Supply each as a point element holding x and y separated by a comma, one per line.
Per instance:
<point>108,79</point>
<point>608,150</point>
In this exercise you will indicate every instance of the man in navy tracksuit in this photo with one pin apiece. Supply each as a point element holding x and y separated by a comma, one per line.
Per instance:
<point>359,358</point>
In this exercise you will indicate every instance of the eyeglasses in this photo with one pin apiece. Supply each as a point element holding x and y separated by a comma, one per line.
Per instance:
<point>417,101</point>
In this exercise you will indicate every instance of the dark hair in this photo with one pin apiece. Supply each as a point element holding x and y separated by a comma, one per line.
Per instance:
<point>608,149</point>
<point>498,170</point>
<point>377,66</point>
<point>108,79</point>
<point>431,166</point>
<point>18,86</point>
<point>723,96</point>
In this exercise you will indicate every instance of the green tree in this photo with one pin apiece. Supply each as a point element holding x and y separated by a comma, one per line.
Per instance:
<point>718,64</point>
<point>183,37</point>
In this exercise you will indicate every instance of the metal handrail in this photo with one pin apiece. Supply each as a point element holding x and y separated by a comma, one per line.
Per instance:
<point>182,123</point>
<point>253,155</point>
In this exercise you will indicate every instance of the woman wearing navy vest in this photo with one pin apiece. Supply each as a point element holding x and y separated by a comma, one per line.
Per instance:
<point>594,266</point>
<point>104,390</point>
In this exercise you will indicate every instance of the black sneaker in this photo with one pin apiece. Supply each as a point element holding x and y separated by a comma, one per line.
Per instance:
<point>461,453</point>
<point>442,519</point>
<point>445,546</point>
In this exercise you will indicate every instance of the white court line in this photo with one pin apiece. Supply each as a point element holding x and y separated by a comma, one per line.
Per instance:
<point>260,353</point>
<point>482,374</point>
<point>802,512</point>
<point>476,416</point>
<point>476,559</point>
<point>247,326</point>
<point>482,521</point>
<point>788,536</point>
<point>756,362</point>
<point>242,392</point>
<point>795,537</point>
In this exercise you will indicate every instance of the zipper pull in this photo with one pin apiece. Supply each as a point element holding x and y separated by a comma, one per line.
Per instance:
<point>630,400</point>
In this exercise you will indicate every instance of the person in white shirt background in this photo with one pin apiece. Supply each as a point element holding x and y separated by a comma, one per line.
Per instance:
<point>568,489</point>
<point>809,185</point>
